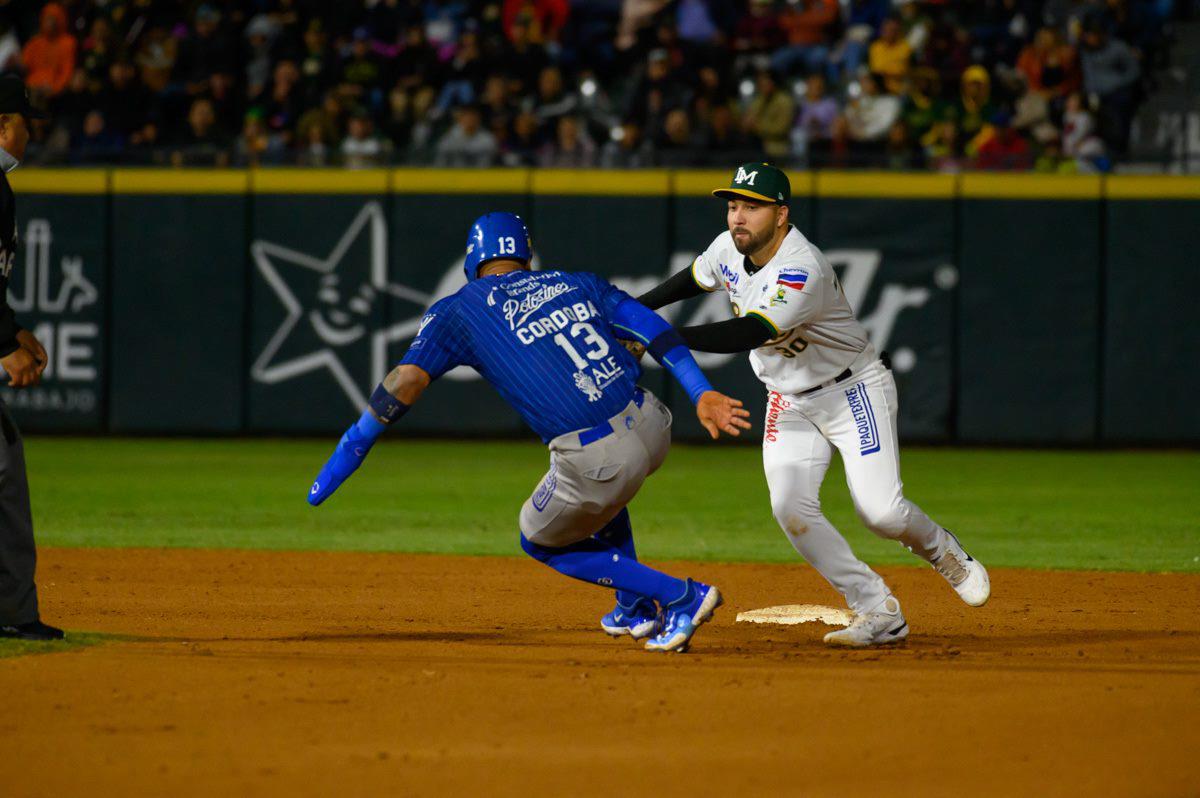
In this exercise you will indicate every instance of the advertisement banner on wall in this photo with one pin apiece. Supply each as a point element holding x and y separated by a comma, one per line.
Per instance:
<point>896,266</point>
<point>319,326</point>
<point>58,291</point>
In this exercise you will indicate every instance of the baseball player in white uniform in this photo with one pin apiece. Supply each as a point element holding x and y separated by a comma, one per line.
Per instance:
<point>827,388</point>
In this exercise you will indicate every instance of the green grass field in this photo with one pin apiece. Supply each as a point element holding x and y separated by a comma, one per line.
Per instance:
<point>18,648</point>
<point>1044,509</point>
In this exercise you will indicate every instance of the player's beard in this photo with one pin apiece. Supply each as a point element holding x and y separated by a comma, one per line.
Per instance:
<point>755,242</point>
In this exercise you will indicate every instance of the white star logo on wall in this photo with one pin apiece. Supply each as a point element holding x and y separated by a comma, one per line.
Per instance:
<point>337,319</point>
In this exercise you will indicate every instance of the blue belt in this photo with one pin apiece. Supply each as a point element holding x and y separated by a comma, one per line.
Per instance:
<point>606,428</point>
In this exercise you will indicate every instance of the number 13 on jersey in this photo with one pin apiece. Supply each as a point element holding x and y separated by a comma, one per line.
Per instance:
<point>597,346</point>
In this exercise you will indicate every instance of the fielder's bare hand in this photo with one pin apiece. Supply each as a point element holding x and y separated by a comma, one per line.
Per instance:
<point>29,341</point>
<point>23,367</point>
<point>720,413</point>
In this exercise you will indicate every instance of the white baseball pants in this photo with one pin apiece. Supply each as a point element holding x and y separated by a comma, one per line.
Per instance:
<point>858,416</point>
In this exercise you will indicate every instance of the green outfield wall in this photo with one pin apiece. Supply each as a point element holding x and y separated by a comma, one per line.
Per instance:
<point>1019,309</point>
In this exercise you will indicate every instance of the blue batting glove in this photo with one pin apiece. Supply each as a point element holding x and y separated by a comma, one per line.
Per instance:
<point>351,450</point>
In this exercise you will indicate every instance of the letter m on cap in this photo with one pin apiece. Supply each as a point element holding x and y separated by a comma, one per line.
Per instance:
<point>743,177</point>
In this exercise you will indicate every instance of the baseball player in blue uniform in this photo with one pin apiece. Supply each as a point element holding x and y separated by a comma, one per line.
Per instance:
<point>548,343</point>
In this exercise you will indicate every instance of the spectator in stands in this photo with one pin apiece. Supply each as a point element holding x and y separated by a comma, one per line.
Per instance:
<point>890,56</point>
<point>915,24</point>
<point>72,106</point>
<point>701,25</point>
<point>899,153</point>
<point>942,151</point>
<point>98,50</point>
<point>326,118</point>
<point>627,149</point>
<point>315,142</point>
<point>974,107</point>
<point>283,104</point>
<point>128,109</point>
<point>571,147</point>
<point>416,63</point>
<point>318,69</point>
<point>257,70</point>
<point>758,31</point>
<point>464,73</point>
<point>870,114</point>
<point>1049,65</point>
<point>1002,148</point>
<point>96,143</point>
<point>362,148</point>
<point>809,28</point>
<point>924,107</point>
<point>206,53</point>
<point>523,59</point>
<point>769,117</point>
<point>496,101</point>
<point>467,143</point>
<point>1079,139</point>
<point>636,18</point>
<point>444,22</point>
<point>677,147</point>
<point>1111,73</point>
<point>671,63</point>
<point>817,118</point>
<point>722,139</point>
<point>10,47</point>
<point>361,72</point>
<point>656,93</point>
<point>864,18</point>
<point>948,52</point>
<point>711,88</point>
<point>50,56</point>
<point>522,145</point>
<point>553,99</point>
<point>257,146</point>
<point>545,18</point>
<point>204,143</point>
<point>156,57</point>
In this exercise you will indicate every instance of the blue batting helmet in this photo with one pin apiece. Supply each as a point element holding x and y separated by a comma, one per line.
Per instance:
<point>496,235</point>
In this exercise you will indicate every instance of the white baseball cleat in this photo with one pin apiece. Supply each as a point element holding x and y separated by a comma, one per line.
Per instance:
<point>882,626</point>
<point>965,574</point>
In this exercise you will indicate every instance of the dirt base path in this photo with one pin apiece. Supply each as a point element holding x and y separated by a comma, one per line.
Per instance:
<point>268,674</point>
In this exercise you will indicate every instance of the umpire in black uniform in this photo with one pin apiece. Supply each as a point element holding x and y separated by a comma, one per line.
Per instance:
<point>24,360</point>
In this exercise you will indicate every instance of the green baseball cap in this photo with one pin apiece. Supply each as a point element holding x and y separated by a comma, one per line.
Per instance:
<point>758,181</point>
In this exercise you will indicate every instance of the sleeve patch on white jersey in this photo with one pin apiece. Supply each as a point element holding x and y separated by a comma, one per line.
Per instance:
<point>793,277</point>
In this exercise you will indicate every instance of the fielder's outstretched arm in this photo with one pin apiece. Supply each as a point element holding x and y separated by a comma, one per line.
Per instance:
<point>679,286</point>
<point>391,399</point>
<point>728,337</point>
<point>725,337</point>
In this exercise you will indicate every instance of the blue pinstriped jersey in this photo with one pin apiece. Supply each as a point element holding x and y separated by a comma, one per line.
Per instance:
<point>543,339</point>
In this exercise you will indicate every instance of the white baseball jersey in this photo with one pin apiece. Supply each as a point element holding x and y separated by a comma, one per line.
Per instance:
<point>797,294</point>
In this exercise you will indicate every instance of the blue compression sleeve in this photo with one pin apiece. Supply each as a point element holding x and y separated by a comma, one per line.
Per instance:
<point>352,449</point>
<point>663,343</point>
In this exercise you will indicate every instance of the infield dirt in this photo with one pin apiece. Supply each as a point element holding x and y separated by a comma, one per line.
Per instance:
<point>296,674</point>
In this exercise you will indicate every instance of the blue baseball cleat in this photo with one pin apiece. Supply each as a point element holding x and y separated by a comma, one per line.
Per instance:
<point>638,621</point>
<point>683,616</point>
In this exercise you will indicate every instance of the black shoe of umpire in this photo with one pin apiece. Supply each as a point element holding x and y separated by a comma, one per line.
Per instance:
<point>34,630</point>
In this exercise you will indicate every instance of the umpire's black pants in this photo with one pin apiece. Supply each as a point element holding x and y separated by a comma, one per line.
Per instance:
<point>18,556</point>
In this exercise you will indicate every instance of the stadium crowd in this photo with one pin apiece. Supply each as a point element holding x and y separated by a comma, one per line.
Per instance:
<point>1050,85</point>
